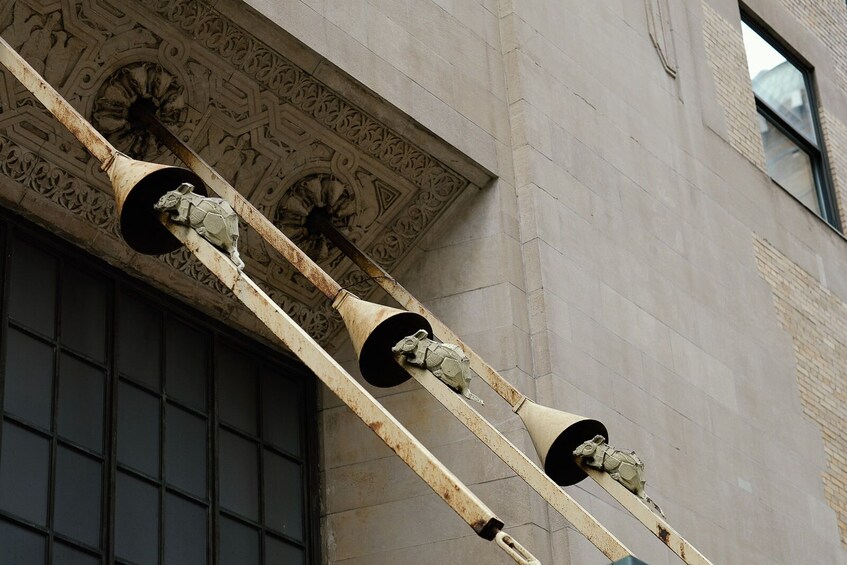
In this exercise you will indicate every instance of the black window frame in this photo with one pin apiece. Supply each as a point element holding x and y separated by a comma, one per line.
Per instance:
<point>817,154</point>
<point>13,227</point>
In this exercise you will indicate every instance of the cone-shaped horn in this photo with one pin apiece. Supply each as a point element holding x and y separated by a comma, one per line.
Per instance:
<point>374,329</point>
<point>555,435</point>
<point>138,185</point>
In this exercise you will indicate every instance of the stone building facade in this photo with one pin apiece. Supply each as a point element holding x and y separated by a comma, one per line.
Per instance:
<point>579,189</point>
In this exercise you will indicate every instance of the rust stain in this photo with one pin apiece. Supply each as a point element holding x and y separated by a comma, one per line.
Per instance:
<point>664,535</point>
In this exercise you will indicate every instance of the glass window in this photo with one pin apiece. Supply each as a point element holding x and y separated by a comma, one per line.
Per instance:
<point>132,431</point>
<point>788,122</point>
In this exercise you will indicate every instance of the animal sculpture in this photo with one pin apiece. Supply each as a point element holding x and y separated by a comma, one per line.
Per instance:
<point>444,360</point>
<point>623,466</point>
<point>212,218</point>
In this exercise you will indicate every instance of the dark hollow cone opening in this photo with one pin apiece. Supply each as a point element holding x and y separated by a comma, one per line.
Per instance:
<point>376,360</point>
<point>140,225</point>
<point>559,463</point>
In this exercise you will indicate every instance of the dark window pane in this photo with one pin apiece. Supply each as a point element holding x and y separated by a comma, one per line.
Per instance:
<point>80,413</point>
<point>185,532</point>
<point>67,555</point>
<point>185,451</point>
<point>283,495</point>
<point>237,390</point>
<point>29,378</point>
<point>33,288</point>
<point>139,339</point>
<point>277,551</point>
<point>24,467</point>
<point>281,411</point>
<point>78,484</point>
<point>18,545</point>
<point>186,366</point>
<point>84,313</point>
<point>239,475</point>
<point>239,543</point>
<point>136,520</point>
<point>138,429</point>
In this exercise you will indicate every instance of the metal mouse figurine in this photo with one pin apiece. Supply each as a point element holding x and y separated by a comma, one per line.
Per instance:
<point>446,361</point>
<point>623,466</point>
<point>212,218</point>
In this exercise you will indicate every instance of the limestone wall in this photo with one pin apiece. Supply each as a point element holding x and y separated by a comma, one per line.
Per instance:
<point>614,269</point>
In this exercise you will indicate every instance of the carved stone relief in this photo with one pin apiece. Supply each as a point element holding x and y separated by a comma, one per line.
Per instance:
<point>661,33</point>
<point>282,138</point>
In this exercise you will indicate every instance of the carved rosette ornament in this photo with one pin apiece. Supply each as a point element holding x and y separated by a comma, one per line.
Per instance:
<point>321,191</point>
<point>139,83</point>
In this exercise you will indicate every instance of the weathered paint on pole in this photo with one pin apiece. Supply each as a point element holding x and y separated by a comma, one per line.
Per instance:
<point>510,394</point>
<point>582,520</point>
<point>652,521</point>
<point>249,213</point>
<point>403,297</point>
<point>96,144</point>
<point>470,508</point>
<point>540,482</point>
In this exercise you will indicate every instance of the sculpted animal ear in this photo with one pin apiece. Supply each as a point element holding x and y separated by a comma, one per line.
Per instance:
<point>185,188</point>
<point>420,334</point>
<point>598,439</point>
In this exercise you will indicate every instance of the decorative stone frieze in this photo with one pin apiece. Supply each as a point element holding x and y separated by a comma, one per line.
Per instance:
<point>282,138</point>
<point>139,83</point>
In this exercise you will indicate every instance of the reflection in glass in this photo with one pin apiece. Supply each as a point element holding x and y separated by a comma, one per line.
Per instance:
<point>789,165</point>
<point>28,390</point>
<point>239,543</point>
<point>779,84</point>
<point>239,475</point>
<point>84,314</point>
<point>33,288</point>
<point>281,411</point>
<point>77,512</point>
<point>24,468</point>
<point>139,340</point>
<point>283,495</point>
<point>138,429</point>
<point>185,451</point>
<point>18,545</point>
<point>66,555</point>
<point>185,532</point>
<point>280,552</point>
<point>136,520</point>
<point>186,360</point>
<point>81,403</point>
<point>237,390</point>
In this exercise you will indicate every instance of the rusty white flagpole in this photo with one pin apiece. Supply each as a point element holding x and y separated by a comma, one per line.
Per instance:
<point>581,519</point>
<point>470,508</point>
<point>467,505</point>
<point>655,523</point>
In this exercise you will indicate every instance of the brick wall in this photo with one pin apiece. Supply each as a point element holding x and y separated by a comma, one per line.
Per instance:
<point>728,62</point>
<point>816,320</point>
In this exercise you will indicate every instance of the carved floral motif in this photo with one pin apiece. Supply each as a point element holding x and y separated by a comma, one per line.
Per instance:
<point>280,136</point>
<point>320,191</point>
<point>146,83</point>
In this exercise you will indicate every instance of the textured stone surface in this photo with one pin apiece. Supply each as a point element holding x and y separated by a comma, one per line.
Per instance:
<point>263,122</point>
<point>607,270</point>
<point>816,320</point>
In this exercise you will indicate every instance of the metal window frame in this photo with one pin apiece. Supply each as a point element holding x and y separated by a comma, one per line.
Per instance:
<point>817,153</point>
<point>12,228</point>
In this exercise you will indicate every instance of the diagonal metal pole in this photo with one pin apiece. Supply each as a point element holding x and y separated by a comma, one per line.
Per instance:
<point>470,508</point>
<point>583,521</point>
<point>655,523</point>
